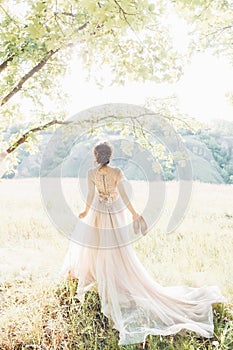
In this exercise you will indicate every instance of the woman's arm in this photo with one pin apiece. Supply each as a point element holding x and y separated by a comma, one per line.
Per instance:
<point>90,195</point>
<point>125,197</point>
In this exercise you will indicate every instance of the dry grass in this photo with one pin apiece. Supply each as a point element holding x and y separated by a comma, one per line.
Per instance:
<point>38,311</point>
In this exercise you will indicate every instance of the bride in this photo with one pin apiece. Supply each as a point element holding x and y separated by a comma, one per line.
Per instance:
<point>137,305</point>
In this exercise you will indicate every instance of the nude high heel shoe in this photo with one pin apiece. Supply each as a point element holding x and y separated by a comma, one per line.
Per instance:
<point>140,225</point>
<point>136,226</point>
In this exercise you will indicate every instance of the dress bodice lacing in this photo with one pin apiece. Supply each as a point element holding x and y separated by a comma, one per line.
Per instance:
<point>106,181</point>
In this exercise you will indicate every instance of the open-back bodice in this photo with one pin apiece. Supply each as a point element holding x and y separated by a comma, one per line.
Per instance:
<point>106,181</point>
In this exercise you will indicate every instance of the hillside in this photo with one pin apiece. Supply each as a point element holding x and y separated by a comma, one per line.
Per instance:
<point>205,168</point>
<point>210,150</point>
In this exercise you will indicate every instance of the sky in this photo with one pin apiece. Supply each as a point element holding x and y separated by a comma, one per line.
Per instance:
<point>201,90</point>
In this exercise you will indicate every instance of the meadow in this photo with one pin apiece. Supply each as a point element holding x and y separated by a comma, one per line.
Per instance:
<point>38,310</point>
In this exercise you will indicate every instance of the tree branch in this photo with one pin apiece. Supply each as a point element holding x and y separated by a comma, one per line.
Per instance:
<point>219,30</point>
<point>27,134</point>
<point>4,64</point>
<point>69,14</point>
<point>137,118</point>
<point>123,11</point>
<point>27,76</point>
<point>34,70</point>
<point>11,18</point>
<point>10,58</point>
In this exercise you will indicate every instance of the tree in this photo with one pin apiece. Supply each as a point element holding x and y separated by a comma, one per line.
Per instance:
<point>210,24</point>
<point>38,38</point>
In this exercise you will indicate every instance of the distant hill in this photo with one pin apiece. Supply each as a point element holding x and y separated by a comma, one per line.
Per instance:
<point>210,150</point>
<point>205,168</point>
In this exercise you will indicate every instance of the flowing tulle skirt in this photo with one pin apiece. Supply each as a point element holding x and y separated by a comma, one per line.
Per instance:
<point>136,304</point>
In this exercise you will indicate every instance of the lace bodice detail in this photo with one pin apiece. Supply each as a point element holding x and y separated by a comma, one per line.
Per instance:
<point>106,181</point>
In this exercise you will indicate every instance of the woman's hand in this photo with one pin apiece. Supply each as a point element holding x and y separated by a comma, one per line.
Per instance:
<point>135,216</point>
<point>83,214</point>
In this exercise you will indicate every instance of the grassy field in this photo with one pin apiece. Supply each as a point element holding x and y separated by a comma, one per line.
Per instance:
<point>40,311</point>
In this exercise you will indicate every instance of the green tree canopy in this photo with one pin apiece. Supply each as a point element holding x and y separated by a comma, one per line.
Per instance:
<point>210,23</point>
<point>134,38</point>
<point>38,38</point>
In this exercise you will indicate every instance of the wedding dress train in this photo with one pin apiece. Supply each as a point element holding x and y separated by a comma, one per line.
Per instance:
<point>137,305</point>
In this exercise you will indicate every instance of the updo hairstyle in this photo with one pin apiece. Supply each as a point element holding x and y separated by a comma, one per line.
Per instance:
<point>103,152</point>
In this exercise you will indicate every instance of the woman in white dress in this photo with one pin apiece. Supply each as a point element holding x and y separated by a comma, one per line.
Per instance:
<point>137,305</point>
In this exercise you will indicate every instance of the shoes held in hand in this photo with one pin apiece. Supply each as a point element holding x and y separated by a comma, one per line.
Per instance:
<point>140,225</point>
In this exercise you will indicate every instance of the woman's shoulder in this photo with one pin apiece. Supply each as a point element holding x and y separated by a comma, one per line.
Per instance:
<point>118,170</point>
<point>110,167</point>
<point>91,171</point>
<point>115,170</point>
<point>119,174</point>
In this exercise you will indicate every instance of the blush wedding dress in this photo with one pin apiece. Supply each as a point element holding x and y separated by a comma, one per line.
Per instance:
<point>100,256</point>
